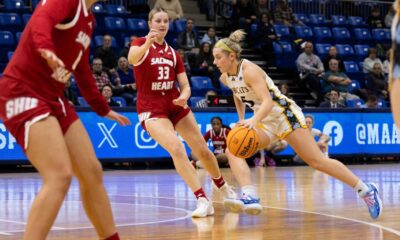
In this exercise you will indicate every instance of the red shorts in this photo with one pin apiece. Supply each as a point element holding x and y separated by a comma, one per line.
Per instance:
<point>153,107</point>
<point>21,106</point>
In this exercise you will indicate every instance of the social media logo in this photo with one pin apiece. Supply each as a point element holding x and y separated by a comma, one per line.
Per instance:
<point>334,130</point>
<point>107,135</point>
<point>142,139</point>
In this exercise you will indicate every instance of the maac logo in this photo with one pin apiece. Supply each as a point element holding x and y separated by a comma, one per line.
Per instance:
<point>334,130</point>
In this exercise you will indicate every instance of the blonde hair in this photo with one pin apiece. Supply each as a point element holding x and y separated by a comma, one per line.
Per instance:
<point>154,11</point>
<point>232,43</point>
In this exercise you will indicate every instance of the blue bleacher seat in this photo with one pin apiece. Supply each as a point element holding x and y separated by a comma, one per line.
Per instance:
<point>34,3</point>
<point>194,100</point>
<point>382,103</point>
<point>283,32</point>
<point>138,27</point>
<point>6,39</point>
<point>120,100</point>
<point>114,23</point>
<point>354,72</point>
<point>113,9</point>
<point>180,25</point>
<point>341,35</point>
<point>10,22</point>
<point>15,6</point>
<point>200,85</point>
<point>97,8</point>
<point>301,17</point>
<point>356,21</point>
<point>354,85</point>
<point>26,17</point>
<point>253,30</point>
<point>82,102</point>
<point>361,51</point>
<point>355,103</point>
<point>351,67</point>
<point>322,49</point>
<point>98,40</point>
<point>362,35</point>
<point>9,55</point>
<point>345,51</point>
<point>18,36</point>
<point>317,20</point>
<point>285,54</point>
<point>304,32</point>
<point>381,35</point>
<point>339,20</point>
<point>322,34</point>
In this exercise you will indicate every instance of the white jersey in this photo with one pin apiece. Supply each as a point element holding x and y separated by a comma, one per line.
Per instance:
<point>285,115</point>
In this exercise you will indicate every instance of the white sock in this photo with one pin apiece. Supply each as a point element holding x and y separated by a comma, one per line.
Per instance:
<point>361,188</point>
<point>250,190</point>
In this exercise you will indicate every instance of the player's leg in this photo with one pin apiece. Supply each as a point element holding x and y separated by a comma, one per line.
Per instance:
<point>49,155</point>
<point>395,66</point>
<point>305,146</point>
<point>395,102</point>
<point>222,160</point>
<point>189,131</point>
<point>89,173</point>
<point>162,131</point>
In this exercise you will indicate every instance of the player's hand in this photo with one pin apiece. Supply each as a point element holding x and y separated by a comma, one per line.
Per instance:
<point>248,123</point>
<point>180,101</point>
<point>121,119</point>
<point>152,36</point>
<point>60,74</point>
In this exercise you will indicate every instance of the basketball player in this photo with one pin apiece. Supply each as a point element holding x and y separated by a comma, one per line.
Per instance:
<point>395,66</point>
<point>275,117</point>
<point>217,134</point>
<point>162,107</point>
<point>54,45</point>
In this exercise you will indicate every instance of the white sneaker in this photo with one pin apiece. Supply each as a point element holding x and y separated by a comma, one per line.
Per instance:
<point>227,191</point>
<point>204,208</point>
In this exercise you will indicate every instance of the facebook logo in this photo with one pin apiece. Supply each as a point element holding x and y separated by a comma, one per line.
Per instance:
<point>334,130</point>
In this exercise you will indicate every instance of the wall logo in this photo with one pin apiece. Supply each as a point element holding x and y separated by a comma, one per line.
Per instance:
<point>107,135</point>
<point>142,139</point>
<point>334,130</point>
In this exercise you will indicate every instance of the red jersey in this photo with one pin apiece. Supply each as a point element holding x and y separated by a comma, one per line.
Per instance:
<point>64,27</point>
<point>218,140</point>
<point>156,72</point>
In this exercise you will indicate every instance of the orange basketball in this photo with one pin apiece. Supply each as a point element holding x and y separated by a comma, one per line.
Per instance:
<point>242,142</point>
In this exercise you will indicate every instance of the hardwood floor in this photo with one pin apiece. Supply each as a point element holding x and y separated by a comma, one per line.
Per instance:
<point>299,203</point>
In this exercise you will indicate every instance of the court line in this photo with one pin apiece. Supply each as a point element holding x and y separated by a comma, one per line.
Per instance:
<point>391,230</point>
<point>188,214</point>
<point>6,234</point>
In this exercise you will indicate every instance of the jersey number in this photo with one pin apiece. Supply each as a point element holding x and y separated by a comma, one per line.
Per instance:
<point>247,102</point>
<point>163,73</point>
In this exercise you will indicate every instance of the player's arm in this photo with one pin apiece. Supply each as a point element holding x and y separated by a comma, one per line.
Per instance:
<point>394,73</point>
<point>323,138</point>
<point>254,77</point>
<point>183,82</point>
<point>139,47</point>
<point>207,135</point>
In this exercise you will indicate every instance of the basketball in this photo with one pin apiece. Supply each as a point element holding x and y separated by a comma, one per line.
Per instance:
<point>242,142</point>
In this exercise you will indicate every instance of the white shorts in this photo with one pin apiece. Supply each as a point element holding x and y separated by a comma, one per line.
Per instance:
<point>279,126</point>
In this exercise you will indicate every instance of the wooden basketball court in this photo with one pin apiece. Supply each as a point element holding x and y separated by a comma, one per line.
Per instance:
<point>299,203</point>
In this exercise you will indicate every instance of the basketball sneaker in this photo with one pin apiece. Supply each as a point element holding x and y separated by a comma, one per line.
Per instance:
<point>373,201</point>
<point>227,191</point>
<point>247,203</point>
<point>204,208</point>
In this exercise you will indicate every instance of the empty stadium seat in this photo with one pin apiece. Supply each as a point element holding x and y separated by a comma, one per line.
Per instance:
<point>345,51</point>
<point>15,6</point>
<point>138,27</point>
<point>180,25</point>
<point>322,34</point>
<point>200,85</point>
<point>356,21</point>
<point>351,66</point>
<point>18,36</point>
<point>9,55</point>
<point>194,100</point>
<point>354,85</point>
<point>354,72</point>
<point>285,55</point>
<point>304,32</point>
<point>341,35</point>
<point>381,35</point>
<point>114,23</point>
<point>6,39</point>
<point>318,20</point>
<point>113,9</point>
<point>382,103</point>
<point>339,21</point>
<point>97,8</point>
<point>10,22</point>
<point>82,102</point>
<point>362,35</point>
<point>361,51</point>
<point>120,100</point>
<point>26,17</point>
<point>283,32</point>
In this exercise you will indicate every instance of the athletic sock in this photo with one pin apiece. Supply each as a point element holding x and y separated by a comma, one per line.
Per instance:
<point>219,181</point>
<point>361,188</point>
<point>115,236</point>
<point>200,193</point>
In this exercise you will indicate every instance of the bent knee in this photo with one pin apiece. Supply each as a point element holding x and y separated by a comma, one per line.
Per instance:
<point>177,150</point>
